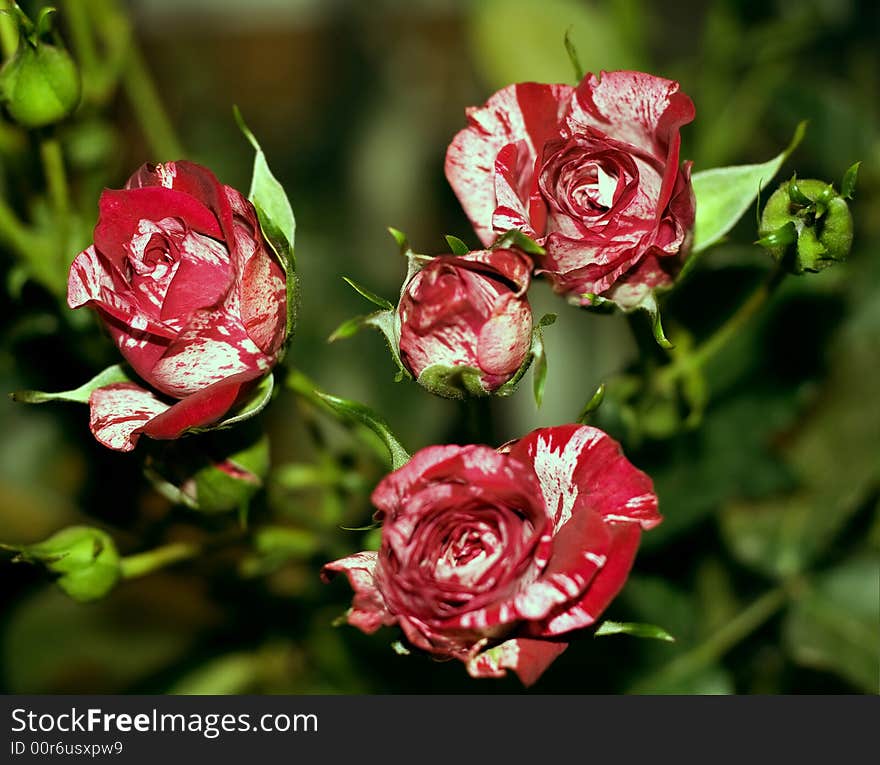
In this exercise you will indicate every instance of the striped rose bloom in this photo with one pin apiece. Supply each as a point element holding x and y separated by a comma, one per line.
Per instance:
<point>495,557</point>
<point>467,311</point>
<point>191,294</point>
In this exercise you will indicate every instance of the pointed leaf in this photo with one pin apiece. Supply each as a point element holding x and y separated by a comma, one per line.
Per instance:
<point>516,238</point>
<point>456,246</point>
<point>848,184</point>
<point>573,56</point>
<point>348,328</point>
<point>635,629</point>
<point>400,238</point>
<point>371,296</point>
<point>114,374</point>
<point>593,404</point>
<point>724,193</point>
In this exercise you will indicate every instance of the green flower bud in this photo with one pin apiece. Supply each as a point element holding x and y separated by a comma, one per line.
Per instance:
<point>40,85</point>
<point>227,484</point>
<point>85,557</point>
<point>811,217</point>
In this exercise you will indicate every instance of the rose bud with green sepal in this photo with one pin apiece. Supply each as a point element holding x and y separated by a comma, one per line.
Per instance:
<point>807,224</point>
<point>465,322</point>
<point>85,557</point>
<point>40,85</point>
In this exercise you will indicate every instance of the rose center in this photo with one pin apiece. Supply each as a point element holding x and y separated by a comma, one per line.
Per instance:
<point>466,555</point>
<point>594,188</point>
<point>154,250</point>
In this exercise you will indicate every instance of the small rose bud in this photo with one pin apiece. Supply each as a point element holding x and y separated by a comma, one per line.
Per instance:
<point>40,85</point>
<point>812,217</point>
<point>465,322</point>
<point>85,557</point>
<point>229,483</point>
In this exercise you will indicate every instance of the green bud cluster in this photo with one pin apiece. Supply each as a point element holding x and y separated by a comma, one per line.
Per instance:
<point>807,224</point>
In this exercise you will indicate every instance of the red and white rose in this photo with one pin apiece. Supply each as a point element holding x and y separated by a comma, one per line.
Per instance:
<point>591,172</point>
<point>495,557</point>
<point>466,312</point>
<point>191,294</point>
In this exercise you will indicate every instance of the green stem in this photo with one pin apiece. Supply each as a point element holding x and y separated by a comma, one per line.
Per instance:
<point>52,159</point>
<point>133,566</point>
<point>76,14</point>
<point>144,99</point>
<point>724,333</point>
<point>718,644</point>
<point>8,30</point>
<point>13,232</point>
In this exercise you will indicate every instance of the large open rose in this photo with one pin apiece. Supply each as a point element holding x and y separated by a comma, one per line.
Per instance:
<point>492,557</point>
<point>592,173</point>
<point>191,294</point>
<point>466,312</point>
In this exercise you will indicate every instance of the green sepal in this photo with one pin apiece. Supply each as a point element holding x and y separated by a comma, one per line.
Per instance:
<point>456,246</point>
<point>848,184</point>
<point>371,296</point>
<point>571,50</point>
<point>635,629</point>
<point>514,238</point>
<point>250,407</point>
<point>459,382</point>
<point>781,237</point>
<point>114,374</point>
<point>593,404</point>
<point>85,558</point>
<point>276,220</point>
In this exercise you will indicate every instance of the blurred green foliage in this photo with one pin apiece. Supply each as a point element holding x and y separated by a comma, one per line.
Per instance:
<point>766,569</point>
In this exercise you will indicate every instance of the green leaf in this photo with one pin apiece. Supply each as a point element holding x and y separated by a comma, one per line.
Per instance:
<point>633,628</point>
<point>539,354</point>
<point>400,238</point>
<point>848,184</point>
<point>834,625</point>
<point>516,238</point>
<point>593,404</point>
<point>276,217</point>
<point>456,246</point>
<point>350,411</point>
<point>115,374</point>
<point>348,328</point>
<point>371,296</point>
<point>573,56</point>
<point>724,193</point>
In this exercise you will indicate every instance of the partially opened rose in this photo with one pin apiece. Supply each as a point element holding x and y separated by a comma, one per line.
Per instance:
<point>494,557</point>
<point>466,312</point>
<point>592,173</point>
<point>190,292</point>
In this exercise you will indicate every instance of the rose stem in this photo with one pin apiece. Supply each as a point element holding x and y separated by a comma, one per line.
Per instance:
<point>712,649</point>
<point>138,84</point>
<point>76,14</point>
<point>8,30</point>
<point>724,333</point>
<point>13,232</point>
<point>146,562</point>
<point>56,181</point>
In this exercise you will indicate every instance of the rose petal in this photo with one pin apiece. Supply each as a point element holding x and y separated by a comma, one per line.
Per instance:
<point>203,277</point>
<point>368,611</point>
<point>506,338</point>
<point>118,413</point>
<point>527,657</point>
<point>604,587</point>
<point>121,212</point>
<point>528,112</point>
<point>263,302</point>
<point>578,463</point>
<point>202,408</point>
<point>390,495</point>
